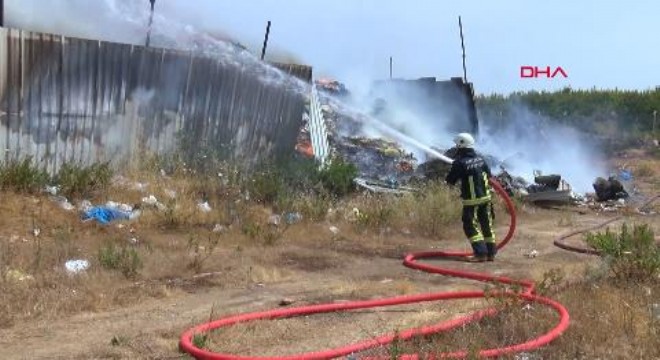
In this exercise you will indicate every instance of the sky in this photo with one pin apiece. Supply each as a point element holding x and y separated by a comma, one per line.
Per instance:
<point>601,44</point>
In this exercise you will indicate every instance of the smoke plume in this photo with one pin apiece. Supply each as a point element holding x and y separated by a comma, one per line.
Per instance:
<point>523,143</point>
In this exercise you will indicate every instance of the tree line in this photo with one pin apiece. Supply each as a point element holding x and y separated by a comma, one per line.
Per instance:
<point>602,112</point>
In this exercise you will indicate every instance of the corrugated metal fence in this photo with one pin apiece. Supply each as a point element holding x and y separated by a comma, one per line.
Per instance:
<point>72,100</point>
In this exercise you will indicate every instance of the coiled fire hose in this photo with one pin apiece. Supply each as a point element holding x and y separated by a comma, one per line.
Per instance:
<point>527,294</point>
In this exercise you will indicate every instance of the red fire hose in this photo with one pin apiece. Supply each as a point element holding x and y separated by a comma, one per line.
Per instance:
<point>410,261</point>
<point>561,241</point>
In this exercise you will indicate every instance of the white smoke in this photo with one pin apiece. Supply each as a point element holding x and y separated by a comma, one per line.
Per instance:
<point>126,21</point>
<point>523,143</point>
<point>527,142</point>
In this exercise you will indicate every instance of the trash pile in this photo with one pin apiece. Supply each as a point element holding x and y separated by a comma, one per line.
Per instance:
<point>377,159</point>
<point>385,166</point>
<point>545,188</point>
<point>331,86</point>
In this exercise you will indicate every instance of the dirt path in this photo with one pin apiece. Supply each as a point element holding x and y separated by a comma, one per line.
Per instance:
<point>150,329</point>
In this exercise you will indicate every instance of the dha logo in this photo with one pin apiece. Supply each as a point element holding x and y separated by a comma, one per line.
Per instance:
<point>536,72</point>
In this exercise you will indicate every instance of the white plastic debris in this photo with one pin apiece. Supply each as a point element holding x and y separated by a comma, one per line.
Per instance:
<point>53,190</point>
<point>334,230</point>
<point>36,231</point>
<point>85,205</point>
<point>63,203</point>
<point>170,193</point>
<point>134,214</point>
<point>204,206</point>
<point>219,228</point>
<point>532,254</point>
<point>150,200</point>
<point>119,206</point>
<point>66,205</point>
<point>76,266</point>
<point>275,220</point>
<point>142,187</point>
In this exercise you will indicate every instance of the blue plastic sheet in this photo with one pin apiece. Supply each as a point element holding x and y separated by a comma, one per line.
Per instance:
<point>625,175</point>
<point>105,215</point>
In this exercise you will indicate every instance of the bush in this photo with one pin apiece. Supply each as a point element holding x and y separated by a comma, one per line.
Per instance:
<point>337,178</point>
<point>278,183</point>
<point>80,180</point>
<point>23,176</point>
<point>121,258</point>
<point>632,255</point>
<point>426,212</point>
<point>430,210</point>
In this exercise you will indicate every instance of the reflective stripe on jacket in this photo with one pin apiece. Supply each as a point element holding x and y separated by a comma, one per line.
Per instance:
<point>473,173</point>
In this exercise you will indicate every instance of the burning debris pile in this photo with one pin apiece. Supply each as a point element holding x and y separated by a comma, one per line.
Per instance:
<point>377,159</point>
<point>385,165</point>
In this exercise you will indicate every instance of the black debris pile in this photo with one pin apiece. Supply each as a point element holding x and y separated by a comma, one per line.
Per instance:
<point>513,185</point>
<point>610,189</point>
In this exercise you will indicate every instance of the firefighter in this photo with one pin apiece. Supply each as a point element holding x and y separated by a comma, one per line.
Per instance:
<point>473,173</point>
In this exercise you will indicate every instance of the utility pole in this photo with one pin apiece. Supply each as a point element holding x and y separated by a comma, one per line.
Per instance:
<point>390,68</point>
<point>460,26</point>
<point>2,13</point>
<point>263,50</point>
<point>151,20</point>
<point>655,115</point>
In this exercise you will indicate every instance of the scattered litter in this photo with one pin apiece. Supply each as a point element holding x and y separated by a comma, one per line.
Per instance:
<point>36,231</point>
<point>532,254</point>
<point>85,205</point>
<point>119,206</point>
<point>163,173</point>
<point>150,200</point>
<point>334,230</point>
<point>105,214</point>
<point>120,226</point>
<point>76,266</point>
<point>274,220</point>
<point>625,175</point>
<point>18,276</point>
<point>63,203</point>
<point>204,206</point>
<point>527,307</point>
<point>153,201</point>
<point>133,241</point>
<point>286,302</point>
<point>170,193</point>
<point>293,218</point>
<point>526,356</point>
<point>53,190</point>
<point>219,228</point>
<point>386,281</point>
<point>141,187</point>
<point>391,186</point>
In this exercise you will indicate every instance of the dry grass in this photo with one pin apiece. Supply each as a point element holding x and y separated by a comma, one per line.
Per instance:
<point>425,213</point>
<point>616,323</point>
<point>645,169</point>
<point>178,242</point>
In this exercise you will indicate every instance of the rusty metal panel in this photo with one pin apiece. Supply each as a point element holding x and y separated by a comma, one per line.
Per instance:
<point>72,100</point>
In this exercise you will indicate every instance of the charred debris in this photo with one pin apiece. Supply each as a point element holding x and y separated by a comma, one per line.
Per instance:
<point>385,165</point>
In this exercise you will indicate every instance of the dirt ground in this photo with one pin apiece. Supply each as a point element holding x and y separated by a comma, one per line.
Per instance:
<point>144,316</point>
